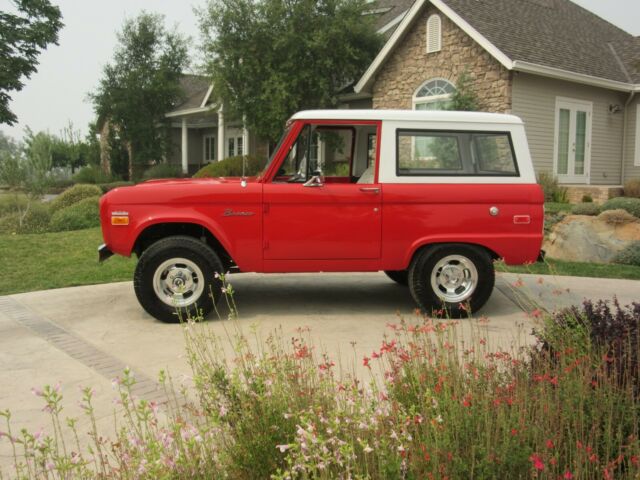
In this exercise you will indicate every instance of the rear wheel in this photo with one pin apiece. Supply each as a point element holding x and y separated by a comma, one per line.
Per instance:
<point>398,276</point>
<point>175,278</point>
<point>451,279</point>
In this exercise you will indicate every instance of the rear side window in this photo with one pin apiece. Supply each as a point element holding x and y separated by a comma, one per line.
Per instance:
<point>443,153</point>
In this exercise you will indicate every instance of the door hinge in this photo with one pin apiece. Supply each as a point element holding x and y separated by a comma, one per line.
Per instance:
<point>265,208</point>
<point>265,245</point>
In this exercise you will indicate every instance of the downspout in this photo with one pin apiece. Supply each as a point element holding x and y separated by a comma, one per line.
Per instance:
<point>624,134</point>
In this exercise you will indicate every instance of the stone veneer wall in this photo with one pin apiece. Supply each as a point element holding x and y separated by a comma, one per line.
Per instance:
<point>410,66</point>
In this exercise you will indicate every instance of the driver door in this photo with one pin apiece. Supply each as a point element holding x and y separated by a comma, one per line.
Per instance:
<point>310,216</point>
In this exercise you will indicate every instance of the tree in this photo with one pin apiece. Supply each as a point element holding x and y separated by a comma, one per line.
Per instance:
<point>22,36</point>
<point>141,84</point>
<point>464,99</point>
<point>271,58</point>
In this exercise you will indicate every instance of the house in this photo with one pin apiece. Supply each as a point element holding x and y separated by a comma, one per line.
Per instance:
<point>571,76</point>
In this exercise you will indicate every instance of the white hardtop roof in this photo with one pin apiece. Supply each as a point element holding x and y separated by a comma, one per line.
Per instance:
<point>408,115</point>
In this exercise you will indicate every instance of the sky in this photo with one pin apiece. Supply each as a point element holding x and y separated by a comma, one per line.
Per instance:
<point>57,93</point>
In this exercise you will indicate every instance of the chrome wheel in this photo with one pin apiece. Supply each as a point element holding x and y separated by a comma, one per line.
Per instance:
<point>178,282</point>
<point>454,279</point>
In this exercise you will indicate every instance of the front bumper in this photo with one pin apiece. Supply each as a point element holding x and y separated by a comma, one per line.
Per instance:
<point>104,253</point>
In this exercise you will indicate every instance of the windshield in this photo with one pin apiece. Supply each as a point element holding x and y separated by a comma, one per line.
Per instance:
<point>275,150</point>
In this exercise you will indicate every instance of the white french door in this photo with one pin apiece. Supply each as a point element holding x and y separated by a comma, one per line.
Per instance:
<point>572,140</point>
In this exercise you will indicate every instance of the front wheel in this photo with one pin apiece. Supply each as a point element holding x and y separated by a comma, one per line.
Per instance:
<point>451,279</point>
<point>176,277</point>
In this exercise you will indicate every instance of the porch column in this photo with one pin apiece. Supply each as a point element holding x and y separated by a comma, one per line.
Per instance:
<point>221,130</point>
<point>185,147</point>
<point>245,136</point>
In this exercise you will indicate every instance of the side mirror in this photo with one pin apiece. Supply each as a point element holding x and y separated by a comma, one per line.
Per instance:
<point>315,181</point>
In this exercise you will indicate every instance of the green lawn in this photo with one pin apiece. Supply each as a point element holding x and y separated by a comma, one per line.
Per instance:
<point>559,267</point>
<point>53,260</point>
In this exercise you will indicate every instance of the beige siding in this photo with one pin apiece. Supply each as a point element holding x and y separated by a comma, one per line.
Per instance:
<point>631,170</point>
<point>534,100</point>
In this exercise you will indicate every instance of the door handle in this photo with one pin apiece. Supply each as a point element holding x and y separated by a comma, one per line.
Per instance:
<point>375,190</point>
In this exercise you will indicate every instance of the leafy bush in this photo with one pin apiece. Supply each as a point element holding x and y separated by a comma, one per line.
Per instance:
<point>107,187</point>
<point>74,195</point>
<point>92,174</point>
<point>163,170</point>
<point>36,220</point>
<point>12,202</point>
<point>552,191</point>
<point>586,209</point>
<point>630,255</point>
<point>587,198</point>
<point>59,185</point>
<point>617,217</point>
<point>632,188</point>
<point>232,167</point>
<point>552,207</point>
<point>631,205</point>
<point>80,215</point>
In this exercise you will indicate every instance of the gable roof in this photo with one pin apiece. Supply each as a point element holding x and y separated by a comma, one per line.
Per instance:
<point>555,38</point>
<point>196,90</point>
<point>388,14</point>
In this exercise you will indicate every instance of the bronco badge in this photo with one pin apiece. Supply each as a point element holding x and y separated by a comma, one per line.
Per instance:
<point>230,213</point>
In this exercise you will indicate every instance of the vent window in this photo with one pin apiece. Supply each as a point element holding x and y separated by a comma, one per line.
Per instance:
<point>434,34</point>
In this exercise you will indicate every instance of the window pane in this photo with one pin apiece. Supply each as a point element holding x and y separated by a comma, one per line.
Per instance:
<point>428,153</point>
<point>493,154</point>
<point>563,142</point>
<point>232,147</point>
<point>581,142</point>
<point>334,150</point>
<point>239,146</point>
<point>295,165</point>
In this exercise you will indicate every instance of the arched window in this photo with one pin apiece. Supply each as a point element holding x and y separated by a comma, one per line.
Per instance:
<point>434,34</point>
<point>434,94</point>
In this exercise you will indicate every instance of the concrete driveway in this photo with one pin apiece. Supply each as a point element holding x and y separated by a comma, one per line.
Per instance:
<point>85,336</point>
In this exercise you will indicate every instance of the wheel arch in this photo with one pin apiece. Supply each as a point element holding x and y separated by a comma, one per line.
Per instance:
<point>421,246</point>
<point>150,234</point>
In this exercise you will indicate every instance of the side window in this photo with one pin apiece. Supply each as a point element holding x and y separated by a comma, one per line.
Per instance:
<point>493,154</point>
<point>429,153</point>
<point>332,148</point>
<point>442,153</point>
<point>294,167</point>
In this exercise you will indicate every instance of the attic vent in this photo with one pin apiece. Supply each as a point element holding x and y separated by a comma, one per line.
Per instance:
<point>434,34</point>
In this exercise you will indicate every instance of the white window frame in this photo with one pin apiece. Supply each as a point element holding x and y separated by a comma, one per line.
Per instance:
<point>434,45</point>
<point>636,160</point>
<point>568,103</point>
<point>433,98</point>
<point>234,139</point>
<point>214,151</point>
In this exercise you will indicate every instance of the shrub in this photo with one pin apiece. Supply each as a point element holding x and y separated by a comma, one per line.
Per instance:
<point>60,185</point>
<point>92,174</point>
<point>107,187</point>
<point>586,209</point>
<point>587,198</point>
<point>617,217</point>
<point>74,195</point>
<point>232,167</point>
<point>36,220</point>
<point>12,202</point>
<point>80,215</point>
<point>631,205</point>
<point>632,188</point>
<point>162,170</point>
<point>630,255</point>
<point>552,191</point>
<point>552,207</point>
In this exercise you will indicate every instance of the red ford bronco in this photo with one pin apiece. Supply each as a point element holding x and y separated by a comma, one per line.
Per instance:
<point>430,198</point>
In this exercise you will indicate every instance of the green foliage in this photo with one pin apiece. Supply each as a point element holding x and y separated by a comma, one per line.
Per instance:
<point>552,191</point>
<point>464,98</point>
<point>8,146</point>
<point>23,34</point>
<point>11,202</point>
<point>107,187</point>
<point>232,167</point>
<point>587,199</point>
<point>74,195</point>
<point>35,219</point>
<point>271,58</point>
<point>78,216</point>
<point>553,207</point>
<point>630,255</point>
<point>141,84</point>
<point>163,170</point>
<point>92,174</point>
<point>586,209</point>
<point>631,205</point>
<point>632,188</point>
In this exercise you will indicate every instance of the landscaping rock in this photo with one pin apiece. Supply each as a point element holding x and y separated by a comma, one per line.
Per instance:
<point>582,238</point>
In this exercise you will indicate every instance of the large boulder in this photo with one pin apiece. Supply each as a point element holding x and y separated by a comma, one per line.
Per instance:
<point>581,238</point>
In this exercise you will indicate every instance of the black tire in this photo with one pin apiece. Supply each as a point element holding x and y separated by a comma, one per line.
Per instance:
<point>398,276</point>
<point>434,302</point>
<point>199,257</point>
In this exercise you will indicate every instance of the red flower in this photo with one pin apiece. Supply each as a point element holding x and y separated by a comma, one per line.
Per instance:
<point>538,464</point>
<point>567,475</point>
<point>365,362</point>
<point>514,432</point>
<point>550,445</point>
<point>634,460</point>
<point>554,381</point>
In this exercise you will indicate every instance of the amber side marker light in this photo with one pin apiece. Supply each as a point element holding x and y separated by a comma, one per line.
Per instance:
<point>120,218</point>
